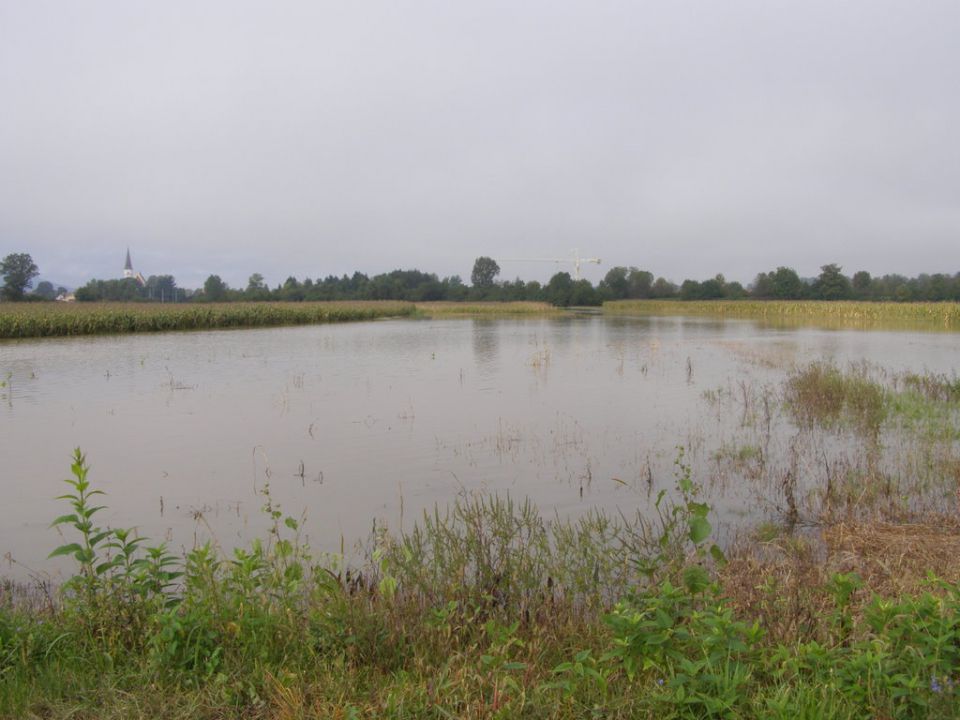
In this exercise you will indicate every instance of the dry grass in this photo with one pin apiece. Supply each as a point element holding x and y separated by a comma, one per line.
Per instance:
<point>784,582</point>
<point>896,559</point>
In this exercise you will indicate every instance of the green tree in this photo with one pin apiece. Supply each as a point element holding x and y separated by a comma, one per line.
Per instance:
<point>639,284</point>
<point>45,290</point>
<point>663,288</point>
<point>832,283</point>
<point>786,284</point>
<point>559,290</point>
<point>485,271</point>
<point>862,284</point>
<point>615,285</point>
<point>454,289</point>
<point>256,283</point>
<point>18,271</point>
<point>214,288</point>
<point>257,288</point>
<point>583,293</point>
<point>161,287</point>
<point>690,290</point>
<point>292,290</point>
<point>734,291</point>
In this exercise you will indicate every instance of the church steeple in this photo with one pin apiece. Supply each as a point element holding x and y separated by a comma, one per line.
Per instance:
<point>128,267</point>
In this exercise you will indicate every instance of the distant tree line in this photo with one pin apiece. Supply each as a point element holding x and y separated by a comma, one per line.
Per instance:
<point>620,283</point>
<point>157,288</point>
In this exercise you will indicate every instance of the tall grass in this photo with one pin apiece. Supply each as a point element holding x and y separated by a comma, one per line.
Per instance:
<point>22,320</point>
<point>944,315</point>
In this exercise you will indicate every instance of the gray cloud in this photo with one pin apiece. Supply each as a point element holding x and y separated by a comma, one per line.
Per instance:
<point>311,138</point>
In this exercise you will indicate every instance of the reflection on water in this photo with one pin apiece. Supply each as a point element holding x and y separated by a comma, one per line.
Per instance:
<point>349,423</point>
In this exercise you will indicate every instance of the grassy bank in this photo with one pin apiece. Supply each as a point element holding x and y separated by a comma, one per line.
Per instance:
<point>487,610</point>
<point>21,320</point>
<point>832,314</point>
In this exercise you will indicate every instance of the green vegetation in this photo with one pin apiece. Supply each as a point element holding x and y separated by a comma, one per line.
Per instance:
<point>840,314</point>
<point>45,319</point>
<point>487,610</point>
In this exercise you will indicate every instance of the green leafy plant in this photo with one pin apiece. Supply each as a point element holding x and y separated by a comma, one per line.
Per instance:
<point>92,537</point>
<point>683,532</point>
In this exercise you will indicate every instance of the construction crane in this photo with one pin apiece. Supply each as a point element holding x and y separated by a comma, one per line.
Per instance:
<point>576,260</point>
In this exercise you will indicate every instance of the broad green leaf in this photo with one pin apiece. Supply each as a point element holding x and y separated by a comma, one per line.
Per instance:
<point>103,567</point>
<point>65,550</point>
<point>699,530</point>
<point>71,518</point>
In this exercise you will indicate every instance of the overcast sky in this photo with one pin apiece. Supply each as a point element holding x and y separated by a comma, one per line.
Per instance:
<point>308,138</point>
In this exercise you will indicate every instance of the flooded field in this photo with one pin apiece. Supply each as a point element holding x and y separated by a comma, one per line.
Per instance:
<point>366,423</point>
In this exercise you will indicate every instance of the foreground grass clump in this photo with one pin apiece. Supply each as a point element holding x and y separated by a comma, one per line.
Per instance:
<point>23,320</point>
<point>944,315</point>
<point>483,611</point>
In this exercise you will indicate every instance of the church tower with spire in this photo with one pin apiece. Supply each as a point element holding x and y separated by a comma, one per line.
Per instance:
<point>129,273</point>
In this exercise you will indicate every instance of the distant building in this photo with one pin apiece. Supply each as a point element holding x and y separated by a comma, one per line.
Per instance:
<point>129,273</point>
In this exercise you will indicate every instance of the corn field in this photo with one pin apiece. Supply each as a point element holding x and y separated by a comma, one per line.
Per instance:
<point>945,315</point>
<point>23,320</point>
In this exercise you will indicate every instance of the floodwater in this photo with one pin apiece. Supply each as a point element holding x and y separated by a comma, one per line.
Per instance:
<point>374,422</point>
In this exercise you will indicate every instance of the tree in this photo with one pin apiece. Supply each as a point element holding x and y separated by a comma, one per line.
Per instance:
<point>256,288</point>
<point>214,288</point>
<point>615,285</point>
<point>663,288</point>
<point>559,289</point>
<point>862,283</point>
<point>256,283</point>
<point>582,293</point>
<point>45,290</point>
<point>161,287</point>
<point>832,283</point>
<point>454,289</point>
<point>734,291</point>
<point>485,270</point>
<point>690,290</point>
<point>640,284</point>
<point>786,284</point>
<point>18,270</point>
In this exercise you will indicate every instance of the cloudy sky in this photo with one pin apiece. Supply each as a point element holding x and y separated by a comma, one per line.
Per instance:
<point>308,137</point>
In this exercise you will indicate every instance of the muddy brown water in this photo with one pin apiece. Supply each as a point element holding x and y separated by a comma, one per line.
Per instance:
<point>363,422</point>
